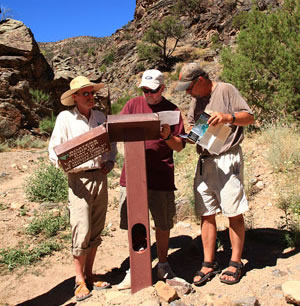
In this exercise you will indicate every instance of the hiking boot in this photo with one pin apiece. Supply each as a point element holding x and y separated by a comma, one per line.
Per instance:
<point>164,271</point>
<point>126,282</point>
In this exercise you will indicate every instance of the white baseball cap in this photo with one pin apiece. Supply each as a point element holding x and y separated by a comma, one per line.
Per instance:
<point>152,79</point>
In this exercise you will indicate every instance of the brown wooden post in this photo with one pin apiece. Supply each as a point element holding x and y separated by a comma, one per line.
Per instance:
<point>133,130</point>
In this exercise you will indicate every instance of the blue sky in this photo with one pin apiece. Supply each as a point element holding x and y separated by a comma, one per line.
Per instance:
<point>54,20</point>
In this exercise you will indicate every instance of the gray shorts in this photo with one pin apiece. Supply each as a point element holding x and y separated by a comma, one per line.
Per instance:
<point>161,205</point>
<point>88,200</point>
<point>218,185</point>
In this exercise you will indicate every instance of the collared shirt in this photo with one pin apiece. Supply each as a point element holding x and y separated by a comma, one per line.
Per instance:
<point>71,123</point>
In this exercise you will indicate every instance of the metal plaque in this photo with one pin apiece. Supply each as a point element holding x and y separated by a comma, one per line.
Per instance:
<point>82,148</point>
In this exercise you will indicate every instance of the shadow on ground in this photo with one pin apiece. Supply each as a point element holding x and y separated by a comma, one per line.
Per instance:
<point>262,248</point>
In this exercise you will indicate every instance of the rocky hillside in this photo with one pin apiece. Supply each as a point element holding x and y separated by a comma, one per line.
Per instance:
<point>26,65</point>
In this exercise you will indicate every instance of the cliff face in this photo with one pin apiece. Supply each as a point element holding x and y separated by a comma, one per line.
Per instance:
<point>22,66</point>
<point>113,60</point>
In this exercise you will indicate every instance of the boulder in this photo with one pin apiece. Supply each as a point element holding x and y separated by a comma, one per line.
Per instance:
<point>22,67</point>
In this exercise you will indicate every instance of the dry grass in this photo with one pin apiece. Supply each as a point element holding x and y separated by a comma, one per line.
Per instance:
<point>283,147</point>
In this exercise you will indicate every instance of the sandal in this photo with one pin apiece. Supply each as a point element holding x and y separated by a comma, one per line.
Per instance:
<point>80,288</point>
<point>237,274</point>
<point>209,275</point>
<point>96,283</point>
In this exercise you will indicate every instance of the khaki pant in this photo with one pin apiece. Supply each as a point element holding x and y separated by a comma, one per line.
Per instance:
<point>88,200</point>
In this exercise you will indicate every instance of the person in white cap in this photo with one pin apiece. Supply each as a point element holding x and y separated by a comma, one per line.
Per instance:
<point>218,184</point>
<point>88,196</point>
<point>159,168</point>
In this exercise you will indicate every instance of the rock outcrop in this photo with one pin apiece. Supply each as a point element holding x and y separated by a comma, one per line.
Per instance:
<point>22,67</point>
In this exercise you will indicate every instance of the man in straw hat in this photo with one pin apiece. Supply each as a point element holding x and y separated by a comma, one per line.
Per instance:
<point>160,169</point>
<point>218,184</point>
<point>88,196</point>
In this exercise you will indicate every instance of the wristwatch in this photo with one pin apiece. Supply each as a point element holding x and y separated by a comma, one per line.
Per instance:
<point>233,118</point>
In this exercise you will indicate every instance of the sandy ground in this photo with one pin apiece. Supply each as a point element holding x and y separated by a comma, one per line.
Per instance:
<point>268,264</point>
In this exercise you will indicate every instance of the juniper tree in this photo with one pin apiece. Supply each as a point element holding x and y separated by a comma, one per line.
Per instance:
<point>160,41</point>
<point>265,63</point>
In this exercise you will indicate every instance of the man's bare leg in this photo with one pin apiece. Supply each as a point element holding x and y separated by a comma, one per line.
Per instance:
<point>208,237</point>
<point>237,238</point>
<point>79,262</point>
<point>88,269</point>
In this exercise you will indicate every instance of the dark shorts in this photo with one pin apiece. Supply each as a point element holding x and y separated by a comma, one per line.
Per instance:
<point>161,205</point>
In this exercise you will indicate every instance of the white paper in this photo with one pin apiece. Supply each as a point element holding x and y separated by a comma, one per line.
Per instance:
<point>214,138</point>
<point>169,117</point>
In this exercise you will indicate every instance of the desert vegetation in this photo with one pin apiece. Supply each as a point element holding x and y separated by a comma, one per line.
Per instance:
<point>264,65</point>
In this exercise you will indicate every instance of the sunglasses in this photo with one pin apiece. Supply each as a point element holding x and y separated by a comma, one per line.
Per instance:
<point>190,88</point>
<point>151,91</point>
<point>87,93</point>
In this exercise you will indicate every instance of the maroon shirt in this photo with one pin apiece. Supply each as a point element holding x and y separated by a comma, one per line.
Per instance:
<point>159,157</point>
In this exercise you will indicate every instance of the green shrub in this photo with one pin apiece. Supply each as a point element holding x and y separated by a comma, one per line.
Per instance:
<point>46,126</point>
<point>103,68</point>
<point>175,75</point>
<point>91,51</point>
<point>23,255</point>
<point>28,141</point>
<point>138,91</point>
<point>216,43</point>
<point>39,97</point>
<point>3,206</point>
<point>265,64</point>
<point>230,4</point>
<point>118,105</point>
<point>108,58</point>
<point>240,20</point>
<point>148,52</point>
<point>119,160</point>
<point>289,202</point>
<point>127,36</point>
<point>4,147</point>
<point>47,224</point>
<point>140,66</point>
<point>47,183</point>
<point>191,8</point>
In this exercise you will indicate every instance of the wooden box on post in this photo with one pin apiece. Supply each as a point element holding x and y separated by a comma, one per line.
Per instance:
<point>119,127</point>
<point>82,148</point>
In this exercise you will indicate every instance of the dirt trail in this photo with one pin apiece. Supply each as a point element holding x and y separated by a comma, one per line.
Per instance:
<point>50,282</point>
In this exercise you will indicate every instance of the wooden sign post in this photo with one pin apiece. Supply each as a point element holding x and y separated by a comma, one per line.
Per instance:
<point>134,130</point>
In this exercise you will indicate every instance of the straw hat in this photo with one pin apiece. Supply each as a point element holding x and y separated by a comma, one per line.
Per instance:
<point>76,84</point>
